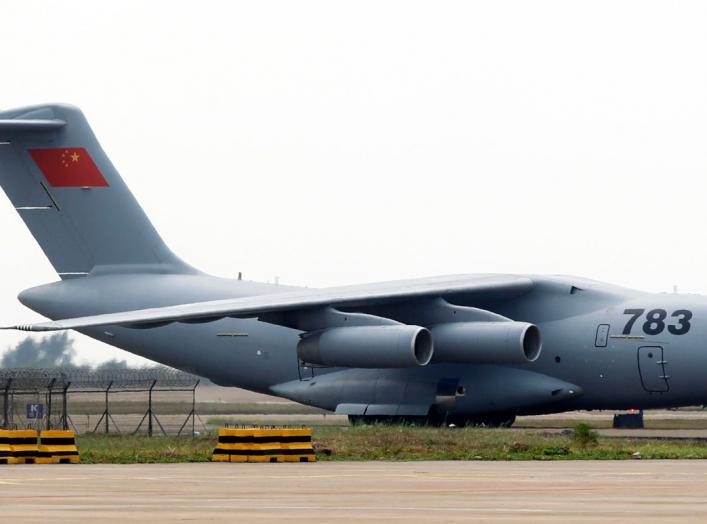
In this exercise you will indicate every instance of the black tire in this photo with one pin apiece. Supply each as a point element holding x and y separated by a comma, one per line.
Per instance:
<point>495,420</point>
<point>356,420</point>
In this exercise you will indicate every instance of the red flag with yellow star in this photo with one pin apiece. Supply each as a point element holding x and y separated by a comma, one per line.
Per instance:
<point>68,167</point>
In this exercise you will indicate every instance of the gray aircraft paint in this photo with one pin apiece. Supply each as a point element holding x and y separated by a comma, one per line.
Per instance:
<point>238,333</point>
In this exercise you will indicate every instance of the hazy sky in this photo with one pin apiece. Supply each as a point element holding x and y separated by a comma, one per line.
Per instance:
<point>343,142</point>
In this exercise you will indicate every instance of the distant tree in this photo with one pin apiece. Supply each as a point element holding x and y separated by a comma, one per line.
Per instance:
<point>57,351</point>
<point>52,351</point>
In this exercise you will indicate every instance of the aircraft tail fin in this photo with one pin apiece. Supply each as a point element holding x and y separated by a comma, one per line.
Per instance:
<point>71,197</point>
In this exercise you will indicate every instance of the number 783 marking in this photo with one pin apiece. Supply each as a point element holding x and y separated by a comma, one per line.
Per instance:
<point>655,321</point>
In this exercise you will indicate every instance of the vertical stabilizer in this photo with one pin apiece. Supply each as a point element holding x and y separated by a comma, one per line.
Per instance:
<point>72,198</point>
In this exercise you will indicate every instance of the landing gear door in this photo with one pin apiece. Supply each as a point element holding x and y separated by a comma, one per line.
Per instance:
<point>653,369</point>
<point>306,371</point>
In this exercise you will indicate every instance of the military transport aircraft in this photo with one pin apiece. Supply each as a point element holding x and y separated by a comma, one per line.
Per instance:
<point>467,349</point>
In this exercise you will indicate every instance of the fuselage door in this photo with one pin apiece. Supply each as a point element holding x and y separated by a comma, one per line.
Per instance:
<point>306,371</point>
<point>602,337</point>
<point>652,368</point>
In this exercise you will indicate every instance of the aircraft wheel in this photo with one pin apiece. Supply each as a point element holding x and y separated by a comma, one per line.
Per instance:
<point>356,420</point>
<point>507,422</point>
<point>500,420</point>
<point>360,420</point>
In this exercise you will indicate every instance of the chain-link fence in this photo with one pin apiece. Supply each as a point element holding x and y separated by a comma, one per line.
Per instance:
<point>148,401</point>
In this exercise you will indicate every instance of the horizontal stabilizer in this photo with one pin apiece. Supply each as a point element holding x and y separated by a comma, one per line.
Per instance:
<point>30,125</point>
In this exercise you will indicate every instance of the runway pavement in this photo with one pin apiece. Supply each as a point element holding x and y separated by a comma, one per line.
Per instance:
<point>561,491</point>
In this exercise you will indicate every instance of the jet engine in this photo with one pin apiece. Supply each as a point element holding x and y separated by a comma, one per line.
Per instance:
<point>392,346</point>
<point>486,342</point>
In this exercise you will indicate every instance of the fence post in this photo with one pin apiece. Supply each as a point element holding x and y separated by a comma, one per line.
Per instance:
<point>107,413</point>
<point>192,413</point>
<point>6,405</point>
<point>193,407</point>
<point>64,407</point>
<point>149,409</point>
<point>49,403</point>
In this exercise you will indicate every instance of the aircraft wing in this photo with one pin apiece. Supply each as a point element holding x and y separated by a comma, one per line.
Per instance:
<point>486,286</point>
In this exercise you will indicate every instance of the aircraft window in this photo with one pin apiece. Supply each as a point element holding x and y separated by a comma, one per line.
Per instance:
<point>602,336</point>
<point>558,359</point>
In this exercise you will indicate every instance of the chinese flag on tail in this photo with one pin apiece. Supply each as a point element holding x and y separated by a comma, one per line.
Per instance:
<point>68,167</point>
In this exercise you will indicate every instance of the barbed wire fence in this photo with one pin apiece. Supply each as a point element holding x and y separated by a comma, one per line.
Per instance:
<point>58,398</point>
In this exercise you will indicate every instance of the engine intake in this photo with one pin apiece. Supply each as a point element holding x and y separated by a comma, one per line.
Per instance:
<point>486,342</point>
<point>394,346</point>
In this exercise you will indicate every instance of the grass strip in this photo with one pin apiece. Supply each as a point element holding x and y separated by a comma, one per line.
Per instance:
<point>408,443</point>
<point>380,442</point>
<point>140,449</point>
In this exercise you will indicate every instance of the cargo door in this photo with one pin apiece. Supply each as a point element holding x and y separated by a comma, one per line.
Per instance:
<point>652,369</point>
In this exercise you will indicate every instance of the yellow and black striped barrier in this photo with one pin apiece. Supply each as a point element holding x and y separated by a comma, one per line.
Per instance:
<point>264,445</point>
<point>6,456</point>
<point>57,447</point>
<point>23,443</point>
<point>297,445</point>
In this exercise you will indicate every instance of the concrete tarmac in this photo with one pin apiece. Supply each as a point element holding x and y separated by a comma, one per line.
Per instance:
<point>518,492</point>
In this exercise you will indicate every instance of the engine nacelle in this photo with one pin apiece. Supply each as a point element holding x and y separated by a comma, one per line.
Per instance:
<point>486,342</point>
<point>395,346</point>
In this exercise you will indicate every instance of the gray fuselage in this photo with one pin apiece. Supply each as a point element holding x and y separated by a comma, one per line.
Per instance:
<point>587,348</point>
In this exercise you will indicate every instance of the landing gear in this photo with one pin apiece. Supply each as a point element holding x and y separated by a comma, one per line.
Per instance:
<point>501,419</point>
<point>360,420</point>
<point>493,420</point>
